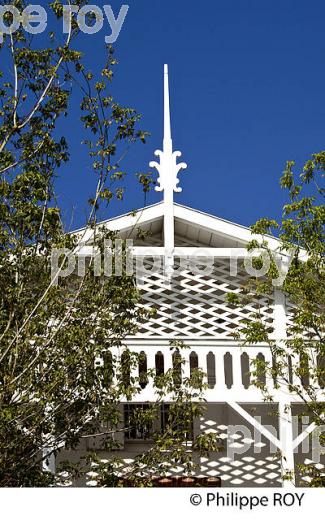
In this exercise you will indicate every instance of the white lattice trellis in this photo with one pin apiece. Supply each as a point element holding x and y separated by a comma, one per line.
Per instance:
<point>195,305</point>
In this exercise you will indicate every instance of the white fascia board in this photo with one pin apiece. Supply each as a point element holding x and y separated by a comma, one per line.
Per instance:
<point>141,216</point>
<point>220,226</point>
<point>124,222</point>
<point>196,252</point>
<point>179,252</point>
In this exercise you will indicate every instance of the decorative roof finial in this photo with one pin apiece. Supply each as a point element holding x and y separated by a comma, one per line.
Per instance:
<point>167,168</point>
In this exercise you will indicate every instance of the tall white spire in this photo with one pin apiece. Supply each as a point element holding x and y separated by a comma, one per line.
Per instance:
<point>168,143</point>
<point>168,170</point>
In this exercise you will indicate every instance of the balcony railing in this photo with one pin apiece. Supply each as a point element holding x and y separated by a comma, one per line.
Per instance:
<point>228,371</point>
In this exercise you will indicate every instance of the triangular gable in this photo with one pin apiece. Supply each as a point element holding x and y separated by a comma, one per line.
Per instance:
<point>193,228</point>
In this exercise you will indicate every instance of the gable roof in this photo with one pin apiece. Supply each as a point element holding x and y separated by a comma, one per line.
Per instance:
<point>192,227</point>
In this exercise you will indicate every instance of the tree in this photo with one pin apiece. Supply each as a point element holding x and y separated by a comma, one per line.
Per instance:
<point>59,377</point>
<point>174,444</point>
<point>301,238</point>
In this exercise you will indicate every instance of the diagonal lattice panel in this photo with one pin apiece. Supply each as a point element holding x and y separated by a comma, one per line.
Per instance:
<point>195,305</point>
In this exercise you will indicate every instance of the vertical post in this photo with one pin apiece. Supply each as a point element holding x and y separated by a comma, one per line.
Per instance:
<point>48,463</point>
<point>285,413</point>
<point>169,239</point>
<point>286,439</point>
<point>48,459</point>
<point>279,316</point>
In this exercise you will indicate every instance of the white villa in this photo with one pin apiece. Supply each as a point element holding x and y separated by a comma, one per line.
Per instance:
<point>193,307</point>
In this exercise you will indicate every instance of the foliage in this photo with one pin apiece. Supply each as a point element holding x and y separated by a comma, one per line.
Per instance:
<point>60,376</point>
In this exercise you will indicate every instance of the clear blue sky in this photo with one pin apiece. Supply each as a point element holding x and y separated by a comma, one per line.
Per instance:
<point>247,94</point>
